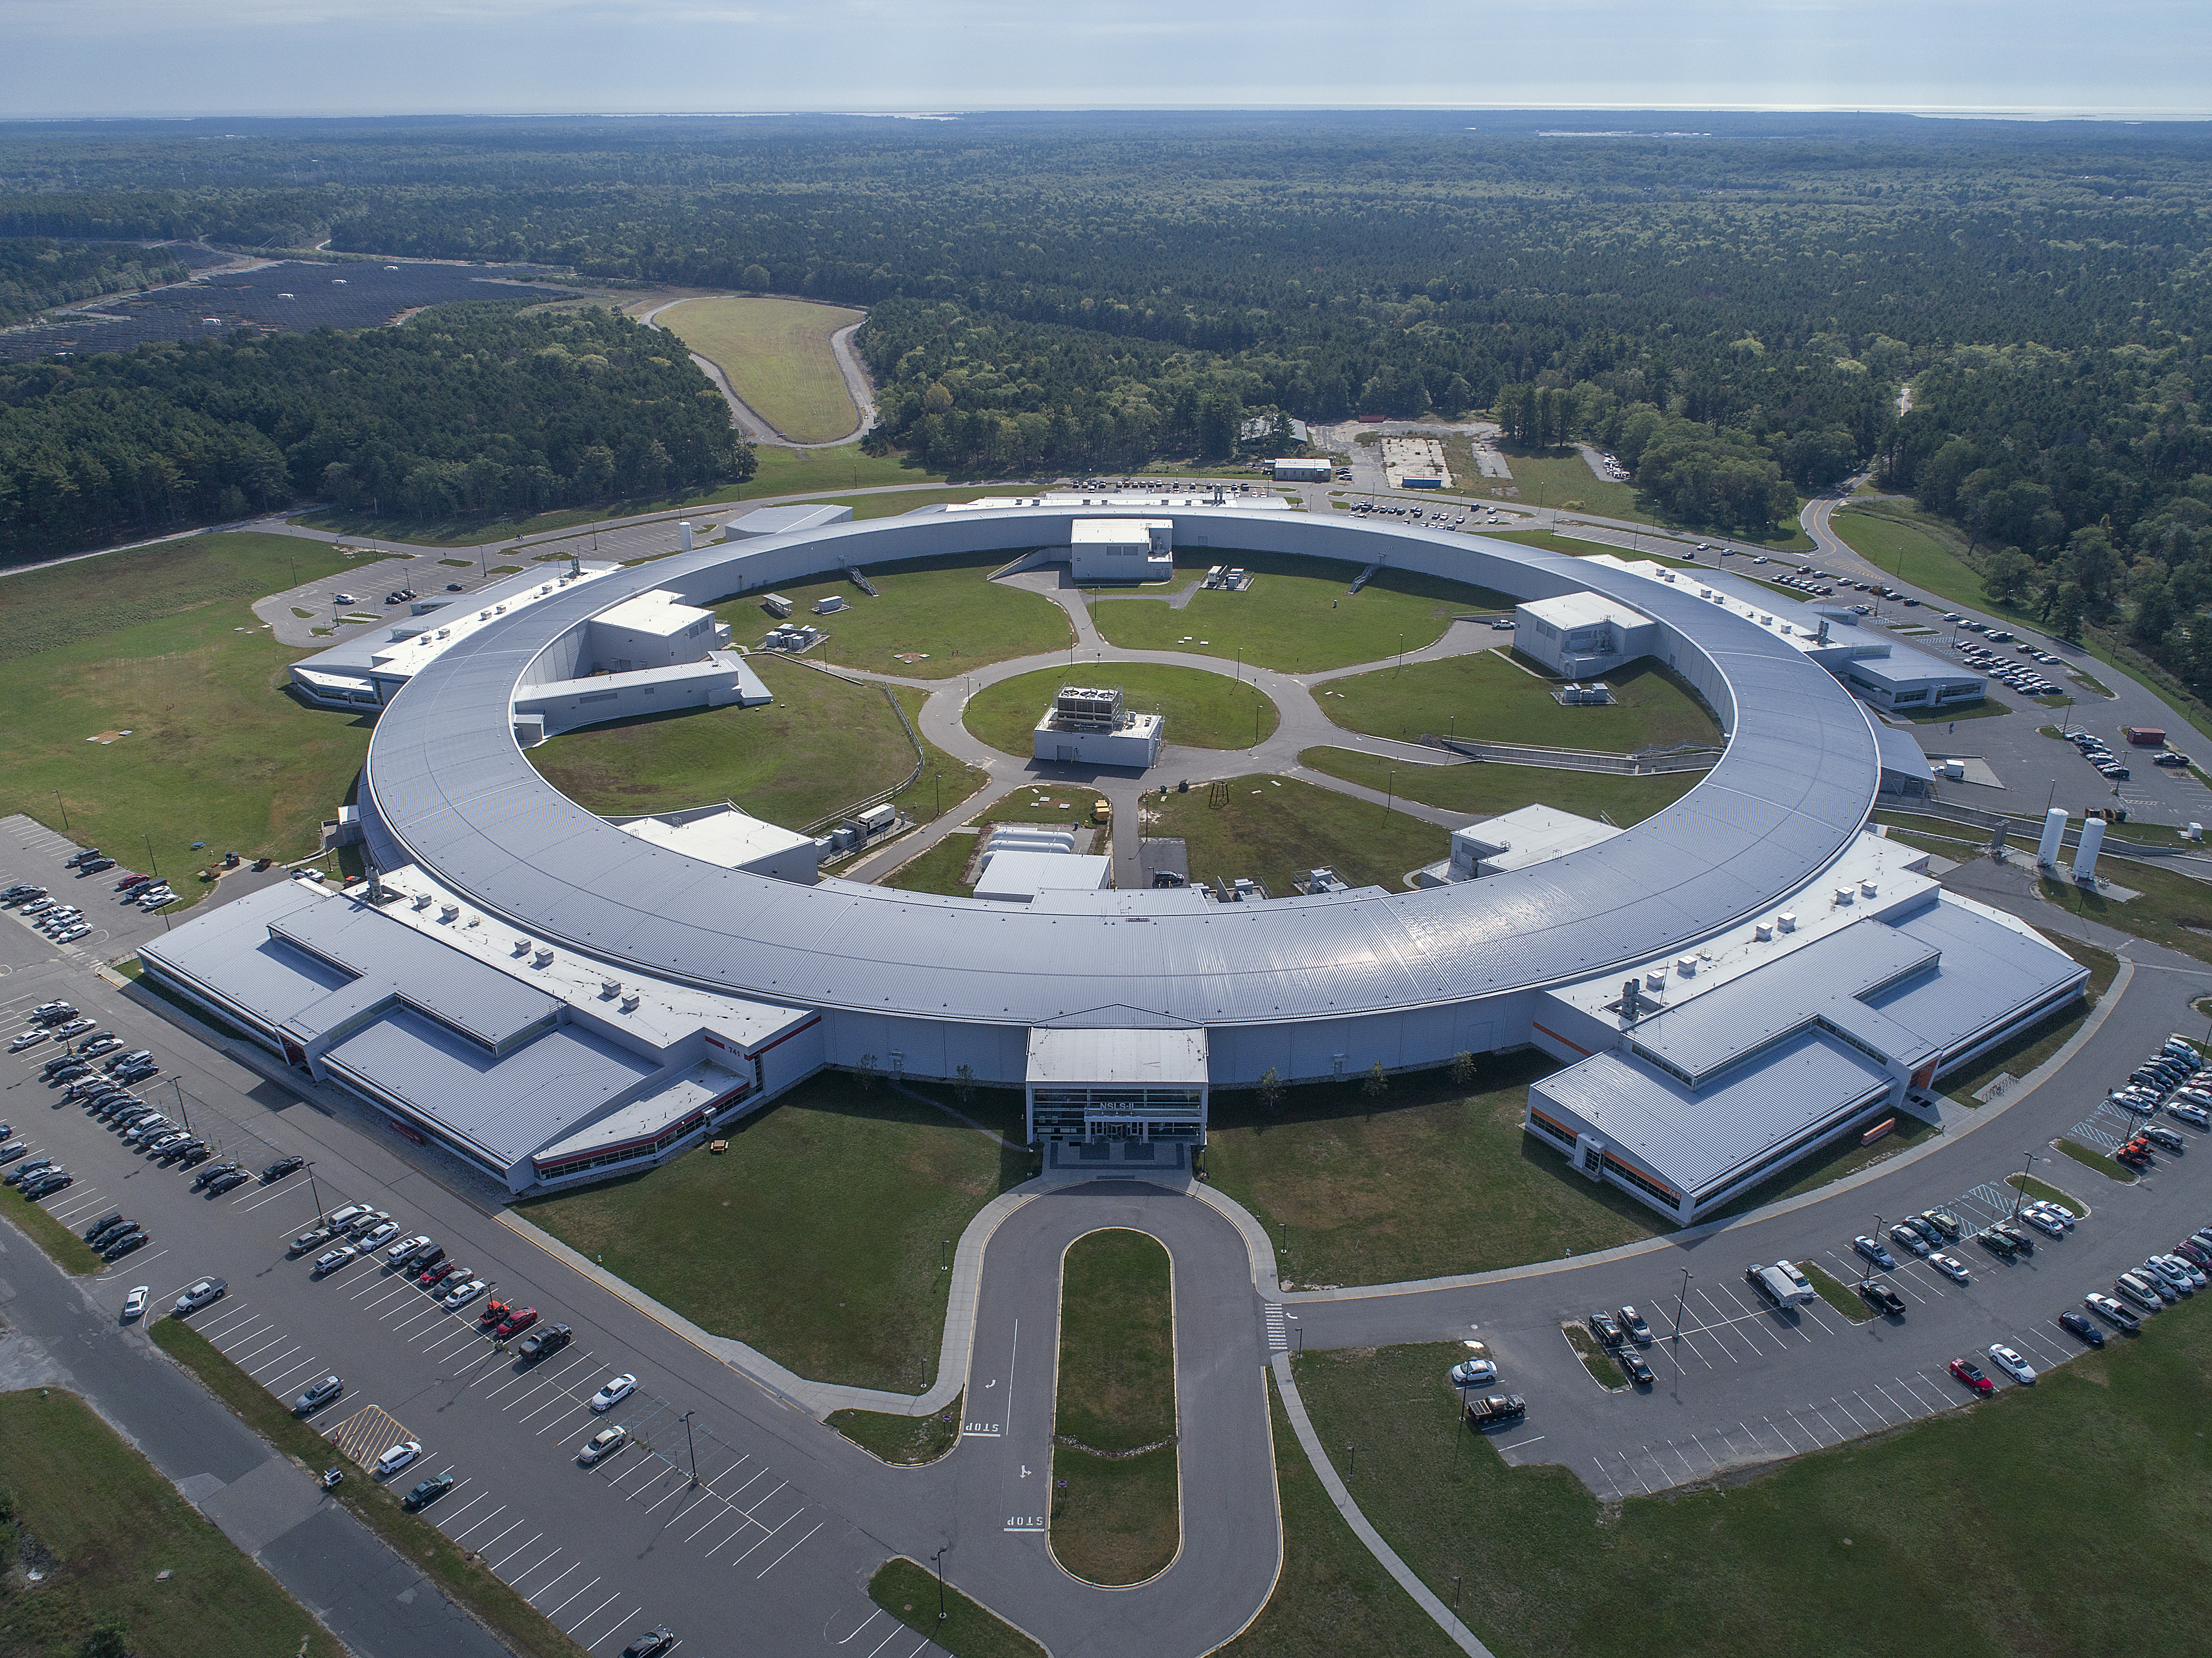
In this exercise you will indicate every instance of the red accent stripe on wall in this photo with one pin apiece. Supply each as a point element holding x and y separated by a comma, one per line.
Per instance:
<point>1562,1041</point>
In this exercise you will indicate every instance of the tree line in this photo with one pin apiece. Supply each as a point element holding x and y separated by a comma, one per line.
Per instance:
<point>39,271</point>
<point>467,408</point>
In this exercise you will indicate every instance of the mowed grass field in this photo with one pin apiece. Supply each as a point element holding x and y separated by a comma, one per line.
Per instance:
<point>1489,789</point>
<point>1492,697</point>
<point>1962,1534</point>
<point>822,744</point>
<point>776,353</point>
<point>1298,616</point>
<point>1274,830</point>
<point>1116,1500</point>
<point>1429,1180</point>
<point>114,1540</point>
<point>1204,710</point>
<point>1889,537</point>
<point>161,644</point>
<point>943,612</point>
<point>843,1190</point>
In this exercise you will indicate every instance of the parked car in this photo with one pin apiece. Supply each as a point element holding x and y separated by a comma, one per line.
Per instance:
<point>515,1323</point>
<point>2042,1222</point>
<point>399,1254</point>
<point>546,1338</point>
<point>617,1389</point>
<point>2112,1313</point>
<point>1873,1251</point>
<point>1930,1234</point>
<point>1603,1327</point>
<point>334,1261</point>
<point>456,1298</point>
<point>1473,1373</point>
<point>205,1293</point>
<point>439,1271</point>
<point>428,1493</point>
<point>2078,1325</point>
<point>282,1167</point>
<point>378,1236</point>
<point>46,1185</point>
<point>1909,1239</point>
<point>314,1238</point>
<point>651,1644</point>
<point>1632,1362</point>
<point>1951,1267</point>
<point>1633,1321</point>
<point>29,1039</point>
<point>2012,1365</point>
<point>2135,1287</point>
<point>1879,1296</point>
<point>134,1304</point>
<point>2019,1239</point>
<point>1970,1373</point>
<point>603,1444</point>
<point>116,1247</point>
<point>397,1458</point>
<point>208,1176</point>
<point>230,1182</point>
<point>317,1395</point>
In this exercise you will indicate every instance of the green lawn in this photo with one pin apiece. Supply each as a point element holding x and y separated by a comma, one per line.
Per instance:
<point>1204,710</point>
<point>1333,1599</point>
<point>2110,1168</point>
<point>818,471</point>
<point>62,1244</point>
<point>945,780</point>
<point>845,1191</point>
<point>1561,480</point>
<point>1116,1501</point>
<point>1914,548</point>
<point>777,353</point>
<point>1490,696</point>
<point>1273,829</point>
<point>1837,1293</point>
<point>2173,910</point>
<point>1478,786</point>
<point>161,645</point>
<point>822,744</point>
<point>1846,1156</point>
<point>114,1540</point>
<point>940,609</point>
<point>1939,1537</point>
<point>1298,616</point>
<point>912,1592</point>
<point>906,1441</point>
<point>938,869</point>
<point>2045,1192</point>
<point>1355,1191</point>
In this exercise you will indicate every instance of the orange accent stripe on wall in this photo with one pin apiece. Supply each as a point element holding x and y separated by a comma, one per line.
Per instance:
<point>1562,1041</point>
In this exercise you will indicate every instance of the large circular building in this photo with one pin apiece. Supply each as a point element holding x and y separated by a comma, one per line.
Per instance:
<point>553,997</point>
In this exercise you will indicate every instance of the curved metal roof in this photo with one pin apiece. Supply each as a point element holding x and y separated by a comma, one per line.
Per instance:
<point>450,784</point>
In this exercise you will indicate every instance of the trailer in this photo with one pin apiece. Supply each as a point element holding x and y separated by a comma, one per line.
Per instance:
<point>2144,737</point>
<point>775,604</point>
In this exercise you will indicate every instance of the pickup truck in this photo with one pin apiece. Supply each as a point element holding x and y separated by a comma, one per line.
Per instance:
<point>1496,1410</point>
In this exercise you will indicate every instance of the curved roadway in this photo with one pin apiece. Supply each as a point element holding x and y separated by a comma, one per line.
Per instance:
<point>757,427</point>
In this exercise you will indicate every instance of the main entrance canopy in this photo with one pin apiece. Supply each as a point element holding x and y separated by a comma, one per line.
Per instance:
<point>1090,1085</point>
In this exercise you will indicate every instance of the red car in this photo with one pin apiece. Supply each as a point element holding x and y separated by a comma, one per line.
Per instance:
<point>493,1312</point>
<point>516,1322</point>
<point>438,1274</point>
<point>1970,1373</point>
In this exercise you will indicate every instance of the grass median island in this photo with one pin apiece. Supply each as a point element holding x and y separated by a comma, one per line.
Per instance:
<point>160,653</point>
<point>822,744</point>
<point>2111,1168</point>
<point>1489,697</point>
<point>1828,1552</point>
<point>1490,790</point>
<point>67,1250</point>
<point>1837,1293</point>
<point>461,1575</point>
<point>1116,1504</point>
<point>849,1191</point>
<point>1298,617</point>
<point>905,1441</point>
<point>777,357</point>
<point>116,1544</point>
<point>1356,1190</point>
<point>912,1592</point>
<point>942,612</point>
<point>1204,710</point>
<point>1274,830</point>
<point>1333,1599</point>
<point>2045,1192</point>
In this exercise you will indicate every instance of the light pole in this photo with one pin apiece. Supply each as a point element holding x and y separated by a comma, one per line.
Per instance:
<point>938,1560</point>
<point>181,1112</point>
<point>149,840</point>
<point>2023,1198</point>
<point>1681,1301</point>
<point>314,1191</point>
<point>692,1447</point>
<point>65,810</point>
<point>1350,1460</point>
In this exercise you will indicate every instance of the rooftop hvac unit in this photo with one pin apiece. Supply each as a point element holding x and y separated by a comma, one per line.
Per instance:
<point>448,912</point>
<point>1787,921</point>
<point>1843,895</point>
<point>1686,966</point>
<point>610,988</point>
<point>1868,889</point>
<point>424,901</point>
<point>1083,707</point>
<point>522,946</point>
<point>1656,979</point>
<point>629,1002</point>
<point>1764,931</point>
<point>543,958</point>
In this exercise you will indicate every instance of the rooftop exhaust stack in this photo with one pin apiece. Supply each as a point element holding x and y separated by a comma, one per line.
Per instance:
<point>1632,1005</point>
<point>686,529</point>
<point>2054,833</point>
<point>2085,855</point>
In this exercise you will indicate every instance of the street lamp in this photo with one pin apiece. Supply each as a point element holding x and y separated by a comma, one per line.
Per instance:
<point>938,1560</point>
<point>691,1446</point>
<point>57,793</point>
<point>149,840</point>
<point>1681,1301</point>
<point>314,1191</point>
<point>2022,1197</point>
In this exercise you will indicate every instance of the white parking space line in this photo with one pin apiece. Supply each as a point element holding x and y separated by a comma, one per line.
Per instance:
<point>587,1589</point>
<point>538,1564</point>
<point>593,1613</point>
<point>481,1496</point>
<point>554,1583</point>
<point>614,1634</point>
<point>486,1520</point>
<point>504,1559</point>
<point>779,1560</point>
<point>492,1542</point>
<point>255,1370</point>
<point>304,1364</point>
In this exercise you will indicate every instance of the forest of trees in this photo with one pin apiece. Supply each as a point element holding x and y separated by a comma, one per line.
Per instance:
<point>471,408</point>
<point>1733,311</point>
<point>37,271</point>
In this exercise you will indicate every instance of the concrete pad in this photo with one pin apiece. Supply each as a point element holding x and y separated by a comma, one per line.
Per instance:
<point>256,1510</point>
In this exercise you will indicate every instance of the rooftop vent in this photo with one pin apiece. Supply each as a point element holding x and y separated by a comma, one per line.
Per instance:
<point>1686,966</point>
<point>1656,979</point>
<point>543,957</point>
<point>447,912</point>
<point>522,946</point>
<point>1786,921</point>
<point>610,988</point>
<point>424,901</point>
<point>629,1002</point>
<point>1843,895</point>
<point>1866,889</point>
<point>1764,931</point>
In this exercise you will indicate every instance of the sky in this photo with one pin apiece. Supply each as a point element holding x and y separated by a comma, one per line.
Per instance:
<point>153,57</point>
